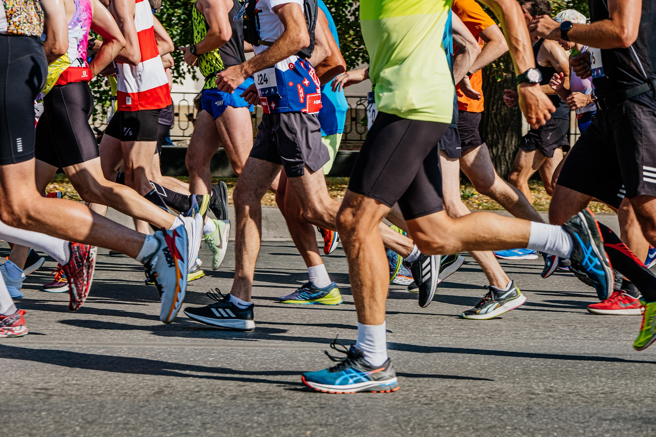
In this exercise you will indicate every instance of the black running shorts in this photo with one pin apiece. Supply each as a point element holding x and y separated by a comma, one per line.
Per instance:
<point>469,130</point>
<point>399,162</point>
<point>63,135</point>
<point>450,143</point>
<point>23,71</point>
<point>547,138</point>
<point>134,125</point>
<point>293,140</point>
<point>616,154</point>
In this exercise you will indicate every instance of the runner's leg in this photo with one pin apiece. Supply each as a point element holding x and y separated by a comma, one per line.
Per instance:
<point>525,165</point>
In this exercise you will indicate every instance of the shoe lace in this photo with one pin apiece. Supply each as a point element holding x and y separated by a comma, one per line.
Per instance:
<point>342,361</point>
<point>217,296</point>
<point>59,273</point>
<point>488,297</point>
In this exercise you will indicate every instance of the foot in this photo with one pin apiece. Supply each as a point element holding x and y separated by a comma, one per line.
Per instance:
<point>618,304</point>
<point>425,271</point>
<point>167,266</point>
<point>13,285</point>
<point>651,257</point>
<point>353,374</point>
<point>79,273</point>
<point>551,263</point>
<point>195,273</point>
<point>495,303</point>
<point>59,284</point>
<point>194,227</point>
<point>310,294</point>
<point>223,313</point>
<point>395,262</point>
<point>33,263</point>
<point>330,240</point>
<point>516,254</point>
<point>449,264</point>
<point>217,242</point>
<point>13,325</point>
<point>404,277</point>
<point>647,333</point>
<point>589,260</point>
<point>219,201</point>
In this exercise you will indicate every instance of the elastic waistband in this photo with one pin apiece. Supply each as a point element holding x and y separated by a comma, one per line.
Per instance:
<point>606,103</point>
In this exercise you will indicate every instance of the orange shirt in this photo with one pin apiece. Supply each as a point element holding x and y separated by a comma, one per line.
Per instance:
<point>476,20</point>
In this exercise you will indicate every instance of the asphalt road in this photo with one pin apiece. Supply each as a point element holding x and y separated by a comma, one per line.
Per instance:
<point>546,369</point>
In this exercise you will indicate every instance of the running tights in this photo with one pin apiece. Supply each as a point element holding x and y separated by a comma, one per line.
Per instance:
<point>56,248</point>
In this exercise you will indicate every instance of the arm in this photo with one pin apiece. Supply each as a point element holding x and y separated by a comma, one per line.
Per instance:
<point>167,61</point>
<point>557,57</point>
<point>164,41</point>
<point>620,30</point>
<point>322,49</point>
<point>294,39</point>
<point>334,64</point>
<point>468,49</point>
<point>56,29</point>
<point>557,84</point>
<point>123,12</point>
<point>216,14</point>
<point>495,47</point>
<point>113,42</point>
<point>349,78</point>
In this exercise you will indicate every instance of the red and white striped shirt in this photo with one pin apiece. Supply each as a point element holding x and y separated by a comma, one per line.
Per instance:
<point>144,86</point>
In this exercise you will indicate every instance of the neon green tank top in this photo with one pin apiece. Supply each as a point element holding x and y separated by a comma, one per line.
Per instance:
<point>208,63</point>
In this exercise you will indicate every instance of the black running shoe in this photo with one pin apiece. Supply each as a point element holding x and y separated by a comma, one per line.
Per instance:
<point>33,262</point>
<point>495,303</point>
<point>223,313</point>
<point>425,271</point>
<point>219,201</point>
<point>449,264</point>
<point>589,260</point>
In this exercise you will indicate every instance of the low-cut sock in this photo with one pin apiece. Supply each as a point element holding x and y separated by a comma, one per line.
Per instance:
<point>625,261</point>
<point>209,228</point>
<point>149,247</point>
<point>319,276</point>
<point>154,198</point>
<point>550,239</point>
<point>13,271</point>
<point>241,304</point>
<point>372,341</point>
<point>7,306</point>
<point>56,248</point>
<point>414,255</point>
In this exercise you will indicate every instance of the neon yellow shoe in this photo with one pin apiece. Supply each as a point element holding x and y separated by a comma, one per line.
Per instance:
<point>217,242</point>
<point>195,273</point>
<point>647,333</point>
<point>310,294</point>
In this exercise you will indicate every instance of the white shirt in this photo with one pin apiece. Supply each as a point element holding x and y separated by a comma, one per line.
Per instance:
<point>270,25</point>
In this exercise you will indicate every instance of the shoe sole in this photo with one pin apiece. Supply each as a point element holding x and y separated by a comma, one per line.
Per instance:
<point>195,276</point>
<point>15,334</point>
<point>92,257</point>
<point>62,289</point>
<point>403,281</point>
<point>235,325</point>
<point>390,386</point>
<point>435,265</point>
<point>194,241</point>
<point>180,293</point>
<point>34,267</point>
<point>608,269</point>
<point>508,306</point>
<point>224,239</point>
<point>454,267</point>
<point>625,312</point>
<point>396,271</point>
<point>518,258</point>
<point>333,245</point>
<point>552,269</point>
<point>310,302</point>
<point>653,339</point>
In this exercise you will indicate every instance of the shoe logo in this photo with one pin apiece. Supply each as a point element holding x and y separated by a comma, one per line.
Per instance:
<point>352,376</point>
<point>425,270</point>
<point>169,258</point>
<point>589,259</point>
<point>626,304</point>
<point>224,313</point>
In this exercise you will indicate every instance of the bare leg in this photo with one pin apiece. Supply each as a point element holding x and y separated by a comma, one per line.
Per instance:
<point>19,255</point>
<point>549,168</point>
<point>631,232</point>
<point>137,163</point>
<point>565,203</point>
<point>645,211</point>
<point>526,164</point>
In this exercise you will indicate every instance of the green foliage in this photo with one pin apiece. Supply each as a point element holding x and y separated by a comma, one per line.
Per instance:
<point>346,15</point>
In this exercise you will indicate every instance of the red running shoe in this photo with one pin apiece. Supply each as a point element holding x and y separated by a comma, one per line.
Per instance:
<point>330,240</point>
<point>619,303</point>
<point>79,273</point>
<point>13,325</point>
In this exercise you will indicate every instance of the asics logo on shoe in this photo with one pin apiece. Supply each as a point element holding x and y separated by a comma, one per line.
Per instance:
<point>169,258</point>
<point>224,313</point>
<point>589,260</point>
<point>352,376</point>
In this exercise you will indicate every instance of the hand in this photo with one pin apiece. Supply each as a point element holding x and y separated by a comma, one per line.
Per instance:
<point>251,95</point>
<point>535,105</point>
<point>108,71</point>
<point>556,82</point>
<point>578,101</point>
<point>581,65</point>
<point>510,98</point>
<point>350,78</point>
<point>467,90</point>
<point>229,79</point>
<point>189,57</point>
<point>544,26</point>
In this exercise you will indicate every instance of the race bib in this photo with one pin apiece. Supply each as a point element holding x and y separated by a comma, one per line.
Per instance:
<point>265,81</point>
<point>372,110</point>
<point>596,64</point>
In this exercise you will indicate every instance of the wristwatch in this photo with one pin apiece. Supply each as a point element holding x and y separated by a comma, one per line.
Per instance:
<point>532,75</point>
<point>565,27</point>
<point>192,49</point>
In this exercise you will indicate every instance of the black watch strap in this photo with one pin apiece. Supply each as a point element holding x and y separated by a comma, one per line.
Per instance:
<point>192,49</point>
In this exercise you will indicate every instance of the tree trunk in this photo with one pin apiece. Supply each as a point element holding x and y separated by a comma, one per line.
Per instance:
<point>501,126</point>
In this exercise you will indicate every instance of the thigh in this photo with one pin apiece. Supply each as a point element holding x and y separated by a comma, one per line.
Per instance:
<point>236,133</point>
<point>139,126</point>
<point>528,162</point>
<point>477,166</point>
<point>111,155</point>
<point>204,140</point>
<point>255,179</point>
<point>44,172</point>
<point>548,168</point>
<point>44,149</point>
<point>332,143</point>
<point>310,187</point>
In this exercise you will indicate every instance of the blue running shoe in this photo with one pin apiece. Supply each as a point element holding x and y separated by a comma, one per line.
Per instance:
<point>550,265</point>
<point>516,254</point>
<point>589,260</point>
<point>353,374</point>
<point>395,261</point>
<point>651,257</point>
<point>310,294</point>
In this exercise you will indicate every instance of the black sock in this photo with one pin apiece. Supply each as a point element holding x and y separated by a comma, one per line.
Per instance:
<point>177,201</point>
<point>120,178</point>
<point>630,289</point>
<point>628,264</point>
<point>155,198</point>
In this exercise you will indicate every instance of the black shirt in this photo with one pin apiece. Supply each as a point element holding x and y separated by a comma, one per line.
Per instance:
<point>232,52</point>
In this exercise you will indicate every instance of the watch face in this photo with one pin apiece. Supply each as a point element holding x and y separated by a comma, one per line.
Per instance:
<point>533,75</point>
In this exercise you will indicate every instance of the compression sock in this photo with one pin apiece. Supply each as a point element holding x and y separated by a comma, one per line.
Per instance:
<point>319,276</point>
<point>550,239</point>
<point>56,248</point>
<point>156,199</point>
<point>7,306</point>
<point>177,201</point>
<point>629,288</point>
<point>242,304</point>
<point>414,255</point>
<point>149,247</point>
<point>372,340</point>
<point>628,264</point>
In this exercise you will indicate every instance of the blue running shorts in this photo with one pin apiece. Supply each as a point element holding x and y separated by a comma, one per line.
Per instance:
<point>215,101</point>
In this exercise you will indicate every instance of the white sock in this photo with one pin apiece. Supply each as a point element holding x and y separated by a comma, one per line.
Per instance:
<point>7,306</point>
<point>13,270</point>
<point>372,340</point>
<point>177,223</point>
<point>209,227</point>
<point>550,239</point>
<point>414,256</point>
<point>149,247</point>
<point>55,247</point>
<point>319,276</point>
<point>238,302</point>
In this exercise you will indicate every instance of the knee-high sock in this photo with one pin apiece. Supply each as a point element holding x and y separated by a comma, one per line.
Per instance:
<point>56,248</point>
<point>177,201</point>
<point>7,306</point>
<point>625,261</point>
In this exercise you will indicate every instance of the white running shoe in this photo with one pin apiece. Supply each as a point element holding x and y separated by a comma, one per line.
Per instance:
<point>13,285</point>
<point>194,227</point>
<point>217,242</point>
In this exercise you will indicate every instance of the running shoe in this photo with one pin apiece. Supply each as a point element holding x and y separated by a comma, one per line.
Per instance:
<point>425,272</point>
<point>589,260</point>
<point>217,242</point>
<point>551,263</point>
<point>219,201</point>
<point>330,240</point>
<point>115,254</point>
<point>59,284</point>
<point>353,374</point>
<point>450,264</point>
<point>404,277</point>
<point>651,257</point>
<point>395,262</point>
<point>194,227</point>
<point>516,254</point>
<point>223,313</point>
<point>13,285</point>
<point>195,273</point>
<point>79,273</point>
<point>310,294</point>
<point>168,268</point>
<point>55,194</point>
<point>495,303</point>
<point>13,325</point>
<point>619,304</point>
<point>33,263</point>
<point>647,333</point>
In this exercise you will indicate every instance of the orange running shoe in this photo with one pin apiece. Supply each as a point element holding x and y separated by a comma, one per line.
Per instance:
<point>330,240</point>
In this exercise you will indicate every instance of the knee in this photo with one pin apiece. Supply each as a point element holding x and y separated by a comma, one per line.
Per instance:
<point>243,198</point>
<point>549,188</point>
<point>237,168</point>
<point>12,216</point>
<point>484,184</point>
<point>435,245</point>
<point>95,193</point>
<point>514,178</point>
<point>346,222</point>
